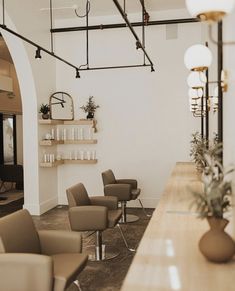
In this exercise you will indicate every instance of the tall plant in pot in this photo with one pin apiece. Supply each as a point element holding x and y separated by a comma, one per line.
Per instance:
<point>212,203</point>
<point>198,145</point>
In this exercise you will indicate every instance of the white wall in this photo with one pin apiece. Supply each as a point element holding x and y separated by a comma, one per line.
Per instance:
<point>144,121</point>
<point>37,82</point>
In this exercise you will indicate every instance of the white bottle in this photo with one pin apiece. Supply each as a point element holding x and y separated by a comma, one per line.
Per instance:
<point>93,155</point>
<point>64,134</point>
<point>72,133</point>
<point>81,153</point>
<point>91,132</point>
<point>81,133</point>
<point>52,133</point>
<point>88,155</point>
<point>57,134</point>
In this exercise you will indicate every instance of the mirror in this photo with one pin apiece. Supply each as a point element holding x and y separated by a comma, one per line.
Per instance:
<point>61,106</point>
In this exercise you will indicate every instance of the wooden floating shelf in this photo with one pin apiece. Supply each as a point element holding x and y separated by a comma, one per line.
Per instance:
<point>50,122</point>
<point>80,161</point>
<point>67,122</point>
<point>81,141</point>
<point>51,165</point>
<point>61,162</point>
<point>48,142</point>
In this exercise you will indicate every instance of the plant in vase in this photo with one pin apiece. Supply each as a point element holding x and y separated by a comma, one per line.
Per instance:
<point>44,109</point>
<point>197,149</point>
<point>212,203</point>
<point>90,108</point>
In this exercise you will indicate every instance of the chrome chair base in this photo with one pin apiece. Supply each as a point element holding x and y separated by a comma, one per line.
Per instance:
<point>129,219</point>
<point>108,253</point>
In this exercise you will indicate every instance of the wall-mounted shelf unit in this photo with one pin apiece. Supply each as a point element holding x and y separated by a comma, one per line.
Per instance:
<point>77,135</point>
<point>61,162</point>
<point>91,122</point>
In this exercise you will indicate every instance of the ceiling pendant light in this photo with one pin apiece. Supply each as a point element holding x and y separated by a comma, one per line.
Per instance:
<point>77,74</point>
<point>195,93</point>
<point>196,80</point>
<point>38,54</point>
<point>212,10</point>
<point>198,58</point>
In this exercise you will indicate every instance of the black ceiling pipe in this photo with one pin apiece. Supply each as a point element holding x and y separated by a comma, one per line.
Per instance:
<point>123,25</point>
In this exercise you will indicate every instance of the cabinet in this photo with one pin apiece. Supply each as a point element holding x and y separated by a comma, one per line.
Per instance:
<point>60,138</point>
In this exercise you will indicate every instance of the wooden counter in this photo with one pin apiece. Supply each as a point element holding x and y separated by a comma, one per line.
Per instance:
<point>168,257</point>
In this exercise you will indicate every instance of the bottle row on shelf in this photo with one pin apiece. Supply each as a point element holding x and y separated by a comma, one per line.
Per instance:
<point>71,155</point>
<point>74,133</point>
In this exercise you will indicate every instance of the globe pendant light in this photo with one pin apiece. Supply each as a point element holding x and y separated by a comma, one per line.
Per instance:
<point>197,58</point>
<point>212,10</point>
<point>196,80</point>
<point>195,93</point>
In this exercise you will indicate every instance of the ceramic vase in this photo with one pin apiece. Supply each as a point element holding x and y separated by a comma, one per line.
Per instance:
<point>216,245</point>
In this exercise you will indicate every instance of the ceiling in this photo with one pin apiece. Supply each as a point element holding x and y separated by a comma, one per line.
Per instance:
<point>65,8</point>
<point>4,52</point>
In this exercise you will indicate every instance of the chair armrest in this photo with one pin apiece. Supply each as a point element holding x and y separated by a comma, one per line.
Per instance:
<point>121,191</point>
<point>110,202</point>
<point>132,182</point>
<point>26,272</point>
<point>88,218</point>
<point>59,242</point>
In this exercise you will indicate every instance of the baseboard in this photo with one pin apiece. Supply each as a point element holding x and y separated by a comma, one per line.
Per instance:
<point>38,209</point>
<point>147,203</point>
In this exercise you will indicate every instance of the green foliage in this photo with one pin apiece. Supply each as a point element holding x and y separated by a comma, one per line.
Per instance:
<point>90,106</point>
<point>197,149</point>
<point>44,108</point>
<point>215,199</point>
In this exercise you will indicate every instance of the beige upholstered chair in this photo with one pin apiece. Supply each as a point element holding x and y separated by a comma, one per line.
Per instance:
<point>94,214</point>
<point>125,190</point>
<point>37,261</point>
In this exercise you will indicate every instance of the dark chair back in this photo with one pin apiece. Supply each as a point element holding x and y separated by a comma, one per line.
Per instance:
<point>108,177</point>
<point>77,196</point>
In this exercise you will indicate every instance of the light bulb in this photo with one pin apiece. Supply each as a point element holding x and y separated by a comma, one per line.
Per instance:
<point>195,93</point>
<point>212,10</point>
<point>196,80</point>
<point>198,58</point>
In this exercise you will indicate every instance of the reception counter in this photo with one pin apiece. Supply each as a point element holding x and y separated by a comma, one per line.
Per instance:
<point>168,257</point>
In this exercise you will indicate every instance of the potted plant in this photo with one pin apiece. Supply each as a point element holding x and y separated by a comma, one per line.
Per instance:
<point>198,146</point>
<point>44,109</point>
<point>90,108</point>
<point>212,203</point>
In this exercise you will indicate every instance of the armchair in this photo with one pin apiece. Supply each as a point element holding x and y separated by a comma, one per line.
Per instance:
<point>125,190</point>
<point>47,260</point>
<point>94,214</point>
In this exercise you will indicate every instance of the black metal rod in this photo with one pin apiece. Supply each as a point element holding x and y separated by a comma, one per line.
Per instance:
<point>220,91</point>
<point>87,35</point>
<point>143,26</point>
<point>114,67</point>
<point>36,45</point>
<point>123,14</point>
<point>51,22</point>
<point>207,107</point>
<point>3,12</point>
<point>123,25</point>
<point>202,117</point>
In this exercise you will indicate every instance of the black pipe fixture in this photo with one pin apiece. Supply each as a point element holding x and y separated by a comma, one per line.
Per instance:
<point>38,53</point>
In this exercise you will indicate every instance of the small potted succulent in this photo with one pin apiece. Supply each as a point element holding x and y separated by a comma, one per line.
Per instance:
<point>90,108</point>
<point>212,203</point>
<point>44,109</point>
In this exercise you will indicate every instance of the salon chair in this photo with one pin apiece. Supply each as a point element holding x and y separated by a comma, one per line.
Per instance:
<point>125,190</point>
<point>31,260</point>
<point>94,214</point>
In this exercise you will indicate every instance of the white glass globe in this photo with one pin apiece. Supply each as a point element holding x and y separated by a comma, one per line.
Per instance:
<point>209,9</point>
<point>195,93</point>
<point>198,58</point>
<point>196,80</point>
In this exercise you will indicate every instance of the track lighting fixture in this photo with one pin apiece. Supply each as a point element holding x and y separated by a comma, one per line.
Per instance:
<point>77,74</point>
<point>38,53</point>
